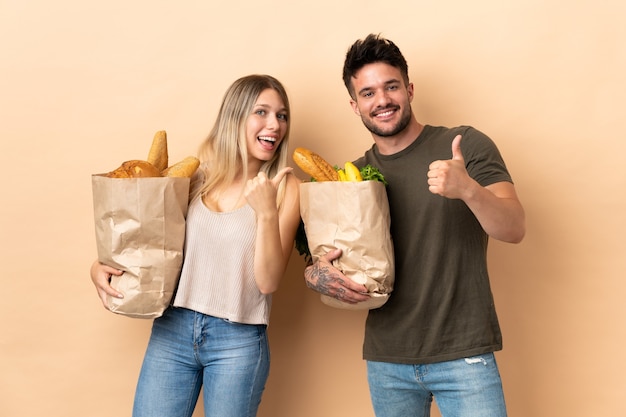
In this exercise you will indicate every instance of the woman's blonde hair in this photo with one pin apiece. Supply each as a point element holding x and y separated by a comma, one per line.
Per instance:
<point>224,153</point>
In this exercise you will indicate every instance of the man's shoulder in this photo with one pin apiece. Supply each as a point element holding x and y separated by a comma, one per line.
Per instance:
<point>453,130</point>
<point>363,159</point>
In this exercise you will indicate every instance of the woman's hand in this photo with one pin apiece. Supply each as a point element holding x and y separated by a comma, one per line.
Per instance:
<point>101,278</point>
<point>260,192</point>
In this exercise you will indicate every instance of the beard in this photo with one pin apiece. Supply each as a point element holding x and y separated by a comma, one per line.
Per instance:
<point>404,121</point>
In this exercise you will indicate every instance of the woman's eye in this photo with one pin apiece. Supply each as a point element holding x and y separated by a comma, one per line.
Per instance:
<point>282,116</point>
<point>260,112</point>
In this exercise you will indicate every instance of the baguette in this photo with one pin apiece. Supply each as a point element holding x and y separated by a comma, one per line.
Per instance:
<point>158,151</point>
<point>314,165</point>
<point>184,168</point>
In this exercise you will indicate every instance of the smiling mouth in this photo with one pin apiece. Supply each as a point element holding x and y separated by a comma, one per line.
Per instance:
<point>385,112</point>
<point>267,142</point>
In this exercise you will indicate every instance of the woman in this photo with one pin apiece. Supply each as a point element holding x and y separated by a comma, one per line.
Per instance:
<point>241,224</point>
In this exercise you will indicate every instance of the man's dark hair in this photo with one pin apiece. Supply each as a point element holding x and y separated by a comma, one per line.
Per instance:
<point>373,48</point>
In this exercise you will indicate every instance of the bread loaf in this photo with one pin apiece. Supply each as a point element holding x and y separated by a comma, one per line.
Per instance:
<point>135,168</point>
<point>156,164</point>
<point>184,168</point>
<point>314,165</point>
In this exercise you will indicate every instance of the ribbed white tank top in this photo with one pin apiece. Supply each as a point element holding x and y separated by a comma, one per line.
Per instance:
<point>217,277</point>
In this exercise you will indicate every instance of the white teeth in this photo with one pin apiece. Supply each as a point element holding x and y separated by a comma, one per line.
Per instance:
<point>385,114</point>
<point>267,138</point>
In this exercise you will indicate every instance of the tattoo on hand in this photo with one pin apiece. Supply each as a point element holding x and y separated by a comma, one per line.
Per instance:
<point>320,279</point>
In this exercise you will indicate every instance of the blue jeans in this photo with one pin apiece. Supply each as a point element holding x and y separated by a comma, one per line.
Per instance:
<point>468,387</point>
<point>189,351</point>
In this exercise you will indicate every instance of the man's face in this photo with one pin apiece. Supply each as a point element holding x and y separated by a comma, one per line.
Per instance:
<point>383,100</point>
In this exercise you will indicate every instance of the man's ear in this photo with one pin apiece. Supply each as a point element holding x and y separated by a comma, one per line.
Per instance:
<point>355,107</point>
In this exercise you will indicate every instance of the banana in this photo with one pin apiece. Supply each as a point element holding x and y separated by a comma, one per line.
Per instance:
<point>352,172</point>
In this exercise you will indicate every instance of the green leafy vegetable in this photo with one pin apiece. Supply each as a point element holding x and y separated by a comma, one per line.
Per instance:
<point>370,173</point>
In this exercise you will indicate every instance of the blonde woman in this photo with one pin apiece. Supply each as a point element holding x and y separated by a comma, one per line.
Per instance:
<point>241,224</point>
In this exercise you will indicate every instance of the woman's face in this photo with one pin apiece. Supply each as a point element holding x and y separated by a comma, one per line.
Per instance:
<point>266,126</point>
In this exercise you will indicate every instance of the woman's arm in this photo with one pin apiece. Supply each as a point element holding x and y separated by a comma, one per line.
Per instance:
<point>276,229</point>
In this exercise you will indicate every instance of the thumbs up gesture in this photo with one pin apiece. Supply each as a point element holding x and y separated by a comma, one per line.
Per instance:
<point>260,191</point>
<point>449,178</point>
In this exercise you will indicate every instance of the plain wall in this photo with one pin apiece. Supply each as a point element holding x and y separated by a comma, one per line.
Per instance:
<point>84,86</point>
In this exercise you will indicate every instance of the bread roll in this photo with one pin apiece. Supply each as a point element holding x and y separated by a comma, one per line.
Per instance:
<point>135,169</point>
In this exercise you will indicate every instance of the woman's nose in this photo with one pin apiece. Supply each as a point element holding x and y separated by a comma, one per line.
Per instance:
<point>272,122</point>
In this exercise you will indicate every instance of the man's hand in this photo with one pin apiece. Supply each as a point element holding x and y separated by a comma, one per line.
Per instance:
<point>328,280</point>
<point>449,178</point>
<point>496,206</point>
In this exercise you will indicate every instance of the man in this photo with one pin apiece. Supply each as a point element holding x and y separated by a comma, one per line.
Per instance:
<point>449,191</point>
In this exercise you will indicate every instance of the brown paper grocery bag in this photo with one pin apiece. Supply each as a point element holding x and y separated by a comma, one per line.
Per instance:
<point>354,217</point>
<point>140,229</point>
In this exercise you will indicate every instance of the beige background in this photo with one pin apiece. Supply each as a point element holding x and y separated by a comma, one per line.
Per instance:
<point>84,85</point>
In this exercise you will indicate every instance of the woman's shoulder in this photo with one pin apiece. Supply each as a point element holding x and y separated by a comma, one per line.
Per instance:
<point>292,191</point>
<point>292,184</point>
<point>197,179</point>
<point>292,178</point>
